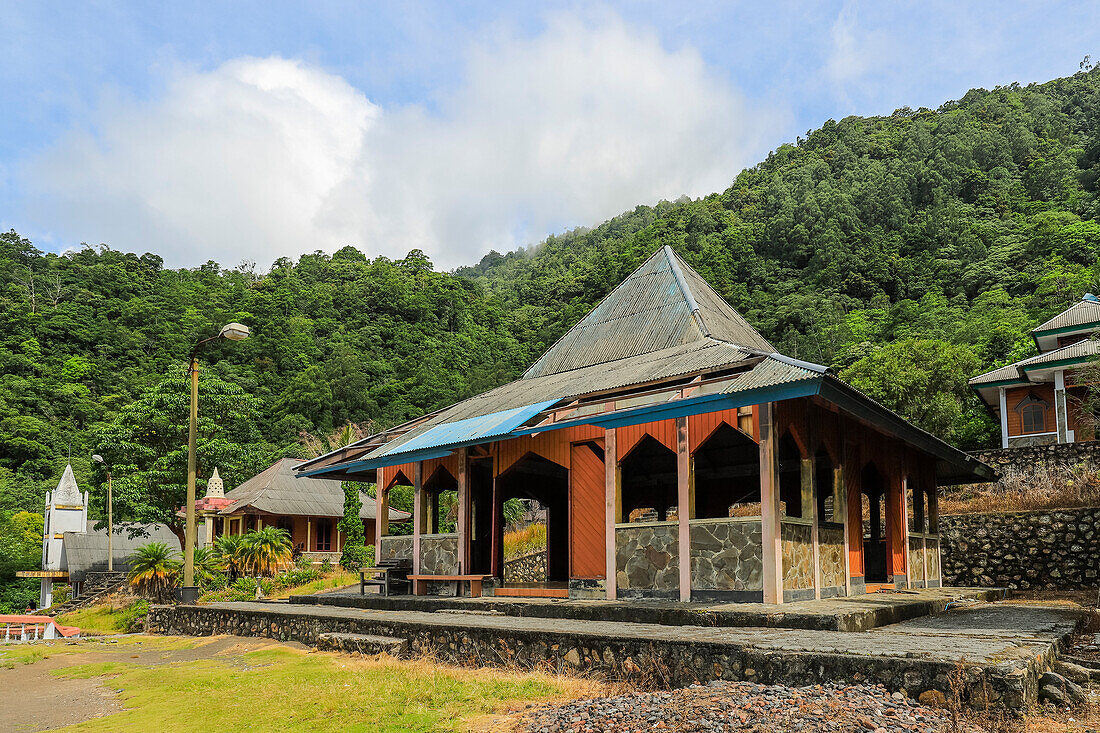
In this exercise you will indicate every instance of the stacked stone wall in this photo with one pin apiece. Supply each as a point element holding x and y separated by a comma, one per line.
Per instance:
<point>1022,550</point>
<point>1026,458</point>
<point>526,568</point>
<point>648,560</point>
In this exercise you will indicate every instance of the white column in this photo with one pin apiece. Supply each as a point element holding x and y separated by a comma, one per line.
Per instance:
<point>1004,418</point>
<point>1060,406</point>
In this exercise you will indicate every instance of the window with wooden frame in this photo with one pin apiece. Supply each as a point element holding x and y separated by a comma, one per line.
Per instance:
<point>1033,414</point>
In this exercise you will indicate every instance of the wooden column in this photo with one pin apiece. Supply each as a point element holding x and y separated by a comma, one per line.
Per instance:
<point>810,489</point>
<point>684,508</point>
<point>381,513</point>
<point>769,508</point>
<point>419,515</point>
<point>840,512</point>
<point>463,527</point>
<point>309,528</point>
<point>612,509</point>
<point>905,529</point>
<point>496,560</point>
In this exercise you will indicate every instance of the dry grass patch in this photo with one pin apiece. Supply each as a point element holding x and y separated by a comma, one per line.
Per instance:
<point>1042,487</point>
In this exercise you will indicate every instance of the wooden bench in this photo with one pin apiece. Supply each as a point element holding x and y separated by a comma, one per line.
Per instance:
<point>384,574</point>
<point>420,583</point>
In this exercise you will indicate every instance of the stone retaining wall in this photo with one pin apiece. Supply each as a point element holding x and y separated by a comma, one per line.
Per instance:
<point>1026,458</point>
<point>526,568</point>
<point>1042,549</point>
<point>673,662</point>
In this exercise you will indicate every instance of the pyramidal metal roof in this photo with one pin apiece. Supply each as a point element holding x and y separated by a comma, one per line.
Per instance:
<point>661,305</point>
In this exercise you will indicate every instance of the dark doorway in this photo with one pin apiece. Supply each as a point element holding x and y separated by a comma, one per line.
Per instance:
<point>790,477</point>
<point>824,486</point>
<point>873,488</point>
<point>727,475</point>
<point>481,515</point>
<point>440,498</point>
<point>545,482</point>
<point>648,481</point>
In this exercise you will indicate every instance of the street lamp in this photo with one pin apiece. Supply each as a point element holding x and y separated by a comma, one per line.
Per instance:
<point>189,593</point>
<point>110,518</point>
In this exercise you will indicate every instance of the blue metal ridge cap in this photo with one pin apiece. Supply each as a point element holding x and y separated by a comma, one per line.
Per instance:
<point>687,406</point>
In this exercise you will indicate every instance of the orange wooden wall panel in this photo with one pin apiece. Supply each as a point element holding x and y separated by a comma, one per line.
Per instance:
<point>700,427</point>
<point>586,514</point>
<point>1014,396</point>
<point>629,436</point>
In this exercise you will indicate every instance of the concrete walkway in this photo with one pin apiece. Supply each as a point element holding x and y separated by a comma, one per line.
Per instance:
<point>854,613</point>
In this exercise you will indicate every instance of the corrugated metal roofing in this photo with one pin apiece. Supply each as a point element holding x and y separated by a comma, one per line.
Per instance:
<point>662,304</point>
<point>664,364</point>
<point>1011,371</point>
<point>472,429</point>
<point>1079,350</point>
<point>772,372</point>
<point>1081,313</point>
<point>83,552</point>
<point>279,490</point>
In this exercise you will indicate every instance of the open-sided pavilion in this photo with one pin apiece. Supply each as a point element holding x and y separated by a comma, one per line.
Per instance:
<point>679,456</point>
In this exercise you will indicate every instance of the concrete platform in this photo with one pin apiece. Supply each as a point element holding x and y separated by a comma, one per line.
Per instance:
<point>1001,648</point>
<point>855,613</point>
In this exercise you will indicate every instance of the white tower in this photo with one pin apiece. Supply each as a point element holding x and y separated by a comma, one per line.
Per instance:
<point>215,488</point>
<point>66,511</point>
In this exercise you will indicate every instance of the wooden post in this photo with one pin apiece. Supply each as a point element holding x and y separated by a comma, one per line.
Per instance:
<point>769,508</point>
<point>611,509</point>
<point>418,515</point>
<point>379,490</point>
<point>496,560</point>
<point>905,530</point>
<point>683,505</point>
<point>463,511</point>
<point>810,489</point>
<point>309,528</point>
<point>840,507</point>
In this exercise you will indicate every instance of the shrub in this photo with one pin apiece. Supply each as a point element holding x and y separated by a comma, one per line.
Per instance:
<point>133,617</point>
<point>526,541</point>
<point>326,566</point>
<point>62,593</point>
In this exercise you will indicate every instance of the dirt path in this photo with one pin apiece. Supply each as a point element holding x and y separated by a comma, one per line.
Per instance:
<point>35,699</point>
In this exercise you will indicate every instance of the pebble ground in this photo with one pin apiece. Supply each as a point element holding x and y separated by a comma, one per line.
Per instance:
<point>743,706</point>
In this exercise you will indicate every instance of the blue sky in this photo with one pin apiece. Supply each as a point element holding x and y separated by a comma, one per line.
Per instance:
<point>248,131</point>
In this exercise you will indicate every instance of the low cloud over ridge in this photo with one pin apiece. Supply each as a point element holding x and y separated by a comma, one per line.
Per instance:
<point>262,158</point>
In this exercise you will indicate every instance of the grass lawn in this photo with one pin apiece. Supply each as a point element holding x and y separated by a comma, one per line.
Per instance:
<point>338,578</point>
<point>238,684</point>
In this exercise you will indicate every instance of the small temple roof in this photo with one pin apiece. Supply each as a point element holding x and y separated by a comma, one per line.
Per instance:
<point>67,492</point>
<point>1017,372</point>
<point>279,490</point>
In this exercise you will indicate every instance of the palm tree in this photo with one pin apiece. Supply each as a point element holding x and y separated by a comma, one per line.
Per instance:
<point>230,551</point>
<point>207,564</point>
<point>154,570</point>
<point>267,549</point>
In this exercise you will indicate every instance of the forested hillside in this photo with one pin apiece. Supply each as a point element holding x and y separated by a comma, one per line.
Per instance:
<point>908,251</point>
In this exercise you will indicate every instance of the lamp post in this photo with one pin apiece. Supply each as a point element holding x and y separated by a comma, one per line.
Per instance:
<point>110,517</point>
<point>189,593</point>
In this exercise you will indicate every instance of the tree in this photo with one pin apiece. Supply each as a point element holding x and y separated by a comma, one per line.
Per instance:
<point>266,550</point>
<point>146,445</point>
<point>923,380</point>
<point>154,570</point>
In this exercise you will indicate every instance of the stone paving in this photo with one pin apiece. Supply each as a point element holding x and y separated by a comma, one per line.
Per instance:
<point>855,613</point>
<point>1005,647</point>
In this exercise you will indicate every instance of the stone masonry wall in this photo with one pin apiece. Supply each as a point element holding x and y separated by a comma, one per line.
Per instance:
<point>1043,549</point>
<point>726,556</point>
<point>395,547</point>
<point>647,560</point>
<point>1028,457</point>
<point>831,554</point>
<point>796,545</point>
<point>526,568</point>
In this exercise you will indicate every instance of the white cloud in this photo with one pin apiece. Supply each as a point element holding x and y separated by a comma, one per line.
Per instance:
<point>262,158</point>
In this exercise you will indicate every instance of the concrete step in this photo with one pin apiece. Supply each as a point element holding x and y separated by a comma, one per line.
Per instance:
<point>368,644</point>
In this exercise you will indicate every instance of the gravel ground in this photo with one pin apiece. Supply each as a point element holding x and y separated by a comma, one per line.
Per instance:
<point>743,706</point>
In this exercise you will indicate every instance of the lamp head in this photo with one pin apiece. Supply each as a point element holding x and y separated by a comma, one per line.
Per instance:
<point>98,458</point>
<point>235,331</point>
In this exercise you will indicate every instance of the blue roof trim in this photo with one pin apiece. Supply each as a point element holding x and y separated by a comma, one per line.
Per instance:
<point>471,430</point>
<point>372,463</point>
<point>688,406</point>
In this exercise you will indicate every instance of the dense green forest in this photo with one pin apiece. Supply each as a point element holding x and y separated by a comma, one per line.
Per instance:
<point>908,251</point>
